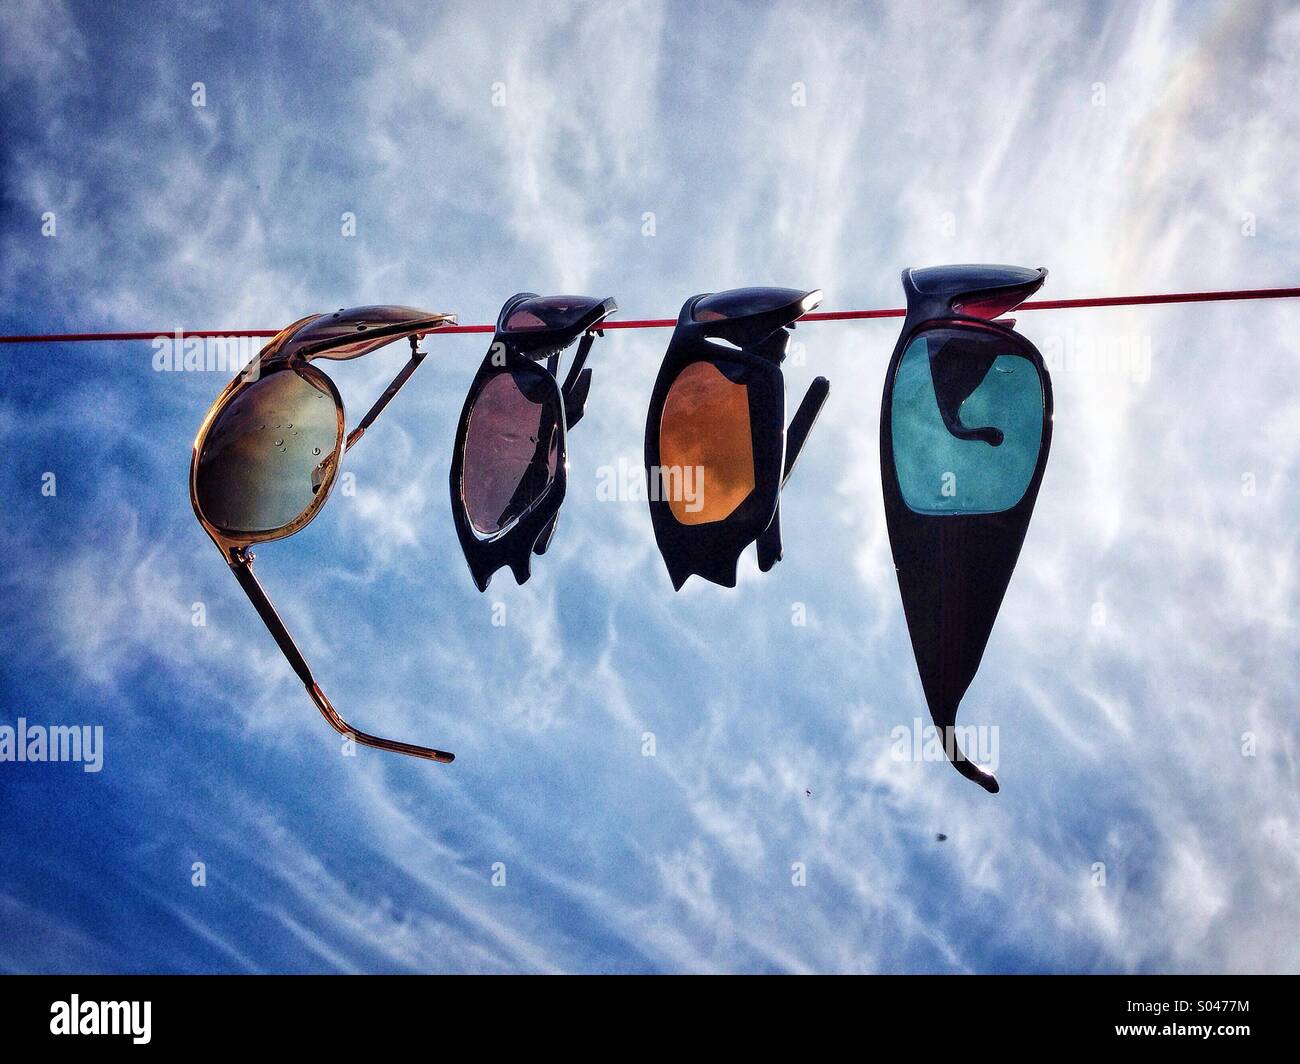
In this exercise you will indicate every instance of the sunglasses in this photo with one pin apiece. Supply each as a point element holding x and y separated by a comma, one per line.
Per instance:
<point>717,450</point>
<point>267,455</point>
<point>965,428</point>
<point>509,464</point>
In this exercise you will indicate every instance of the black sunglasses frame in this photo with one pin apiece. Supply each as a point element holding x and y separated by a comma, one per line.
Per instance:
<point>713,550</point>
<point>518,351</point>
<point>954,569</point>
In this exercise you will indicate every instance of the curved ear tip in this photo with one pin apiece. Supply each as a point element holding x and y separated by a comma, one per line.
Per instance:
<point>977,775</point>
<point>966,766</point>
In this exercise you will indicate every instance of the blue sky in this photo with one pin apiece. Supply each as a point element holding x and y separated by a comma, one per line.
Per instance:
<point>1150,625</point>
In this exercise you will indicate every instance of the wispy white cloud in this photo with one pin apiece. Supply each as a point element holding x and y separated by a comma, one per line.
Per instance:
<point>1121,738</point>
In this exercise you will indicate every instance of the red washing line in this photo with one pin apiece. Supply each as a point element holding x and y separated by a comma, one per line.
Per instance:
<point>668,323</point>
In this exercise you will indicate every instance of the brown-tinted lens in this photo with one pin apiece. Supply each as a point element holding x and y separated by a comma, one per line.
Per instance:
<point>263,459</point>
<point>706,452</point>
<point>512,447</point>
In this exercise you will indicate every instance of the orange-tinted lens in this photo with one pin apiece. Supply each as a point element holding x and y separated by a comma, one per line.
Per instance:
<point>706,453</point>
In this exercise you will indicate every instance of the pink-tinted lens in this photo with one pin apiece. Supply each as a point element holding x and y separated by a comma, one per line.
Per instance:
<point>512,447</point>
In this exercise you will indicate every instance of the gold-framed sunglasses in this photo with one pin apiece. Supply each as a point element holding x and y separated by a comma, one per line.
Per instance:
<point>267,454</point>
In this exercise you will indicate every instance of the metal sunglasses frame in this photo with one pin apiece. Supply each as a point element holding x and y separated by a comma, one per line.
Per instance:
<point>345,334</point>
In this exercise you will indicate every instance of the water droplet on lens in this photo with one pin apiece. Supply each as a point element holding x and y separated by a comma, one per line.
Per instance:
<point>315,450</point>
<point>279,443</point>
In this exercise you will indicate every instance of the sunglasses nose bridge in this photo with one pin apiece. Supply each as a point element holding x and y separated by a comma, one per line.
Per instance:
<point>543,326</point>
<point>748,316</point>
<point>984,291</point>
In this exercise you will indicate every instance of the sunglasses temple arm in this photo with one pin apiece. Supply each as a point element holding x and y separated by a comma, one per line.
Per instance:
<point>802,422</point>
<point>769,543</point>
<point>577,383</point>
<point>242,566</point>
<point>413,363</point>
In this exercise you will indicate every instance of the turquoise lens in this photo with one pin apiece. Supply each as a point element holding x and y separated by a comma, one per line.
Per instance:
<point>967,422</point>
